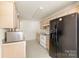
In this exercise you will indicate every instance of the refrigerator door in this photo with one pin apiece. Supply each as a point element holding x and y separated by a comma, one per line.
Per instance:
<point>69,40</point>
<point>55,34</point>
<point>14,36</point>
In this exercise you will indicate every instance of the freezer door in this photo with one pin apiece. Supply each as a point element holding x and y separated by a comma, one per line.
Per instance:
<point>55,34</point>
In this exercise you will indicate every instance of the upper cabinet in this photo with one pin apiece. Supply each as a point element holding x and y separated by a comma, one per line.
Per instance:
<point>8,16</point>
<point>74,8</point>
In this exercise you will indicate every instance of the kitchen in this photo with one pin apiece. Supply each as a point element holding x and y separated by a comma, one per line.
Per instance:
<point>27,22</point>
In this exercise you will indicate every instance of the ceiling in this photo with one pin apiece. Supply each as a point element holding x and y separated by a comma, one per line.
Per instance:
<point>36,10</point>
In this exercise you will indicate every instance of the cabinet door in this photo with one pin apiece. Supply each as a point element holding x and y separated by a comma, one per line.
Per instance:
<point>17,23</point>
<point>14,50</point>
<point>16,18</point>
<point>7,17</point>
<point>47,43</point>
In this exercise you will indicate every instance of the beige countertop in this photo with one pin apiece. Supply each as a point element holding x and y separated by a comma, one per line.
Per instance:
<point>14,42</point>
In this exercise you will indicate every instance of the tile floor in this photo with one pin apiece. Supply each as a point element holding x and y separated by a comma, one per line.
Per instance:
<point>34,50</point>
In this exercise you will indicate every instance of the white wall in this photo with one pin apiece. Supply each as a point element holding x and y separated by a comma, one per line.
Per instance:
<point>2,36</point>
<point>29,28</point>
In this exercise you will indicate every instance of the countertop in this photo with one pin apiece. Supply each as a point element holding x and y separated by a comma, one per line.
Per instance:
<point>13,42</point>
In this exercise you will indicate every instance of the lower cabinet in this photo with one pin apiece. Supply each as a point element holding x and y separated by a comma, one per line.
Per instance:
<point>44,41</point>
<point>38,37</point>
<point>47,43</point>
<point>14,50</point>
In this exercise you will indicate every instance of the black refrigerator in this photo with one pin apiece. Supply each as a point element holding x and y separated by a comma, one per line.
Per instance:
<point>64,37</point>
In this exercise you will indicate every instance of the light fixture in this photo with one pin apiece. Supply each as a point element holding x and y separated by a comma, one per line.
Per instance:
<point>60,19</point>
<point>41,8</point>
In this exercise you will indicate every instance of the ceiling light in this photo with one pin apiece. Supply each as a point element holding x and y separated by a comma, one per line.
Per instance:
<point>60,19</point>
<point>41,8</point>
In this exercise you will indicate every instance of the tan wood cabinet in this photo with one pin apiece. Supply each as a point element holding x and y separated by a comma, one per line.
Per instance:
<point>8,17</point>
<point>47,43</point>
<point>38,37</point>
<point>14,50</point>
